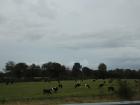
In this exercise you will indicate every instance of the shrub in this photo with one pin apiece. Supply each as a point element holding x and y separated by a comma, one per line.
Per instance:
<point>125,91</point>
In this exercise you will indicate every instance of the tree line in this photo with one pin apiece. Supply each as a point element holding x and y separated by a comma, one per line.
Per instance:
<point>56,71</point>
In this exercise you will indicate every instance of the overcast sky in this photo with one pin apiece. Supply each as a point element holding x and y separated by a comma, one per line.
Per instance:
<point>68,31</point>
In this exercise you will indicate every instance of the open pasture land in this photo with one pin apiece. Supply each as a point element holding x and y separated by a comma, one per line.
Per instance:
<point>29,91</point>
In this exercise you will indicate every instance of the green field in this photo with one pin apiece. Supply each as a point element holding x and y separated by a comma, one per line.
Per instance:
<point>32,91</point>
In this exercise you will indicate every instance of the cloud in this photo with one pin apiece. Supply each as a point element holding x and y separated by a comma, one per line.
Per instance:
<point>44,9</point>
<point>2,19</point>
<point>33,37</point>
<point>88,31</point>
<point>122,62</point>
<point>21,18</point>
<point>106,39</point>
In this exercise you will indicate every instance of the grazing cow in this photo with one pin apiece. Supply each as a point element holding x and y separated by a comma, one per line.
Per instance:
<point>110,80</point>
<point>111,89</point>
<point>58,81</point>
<point>87,86</point>
<point>55,89</point>
<point>101,85</point>
<point>60,85</point>
<point>46,80</point>
<point>136,81</point>
<point>7,82</point>
<point>136,85</point>
<point>94,80</point>
<point>47,91</point>
<point>77,85</point>
<point>12,81</point>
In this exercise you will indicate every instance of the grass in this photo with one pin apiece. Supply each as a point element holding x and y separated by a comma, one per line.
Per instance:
<point>29,93</point>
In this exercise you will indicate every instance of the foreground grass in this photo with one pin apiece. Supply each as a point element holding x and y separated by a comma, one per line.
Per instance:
<point>60,101</point>
<point>68,100</point>
<point>31,93</point>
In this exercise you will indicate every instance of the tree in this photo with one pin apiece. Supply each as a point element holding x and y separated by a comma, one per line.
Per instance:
<point>53,70</point>
<point>102,70</point>
<point>87,72</point>
<point>9,67</point>
<point>44,70</point>
<point>76,71</point>
<point>34,71</point>
<point>20,70</point>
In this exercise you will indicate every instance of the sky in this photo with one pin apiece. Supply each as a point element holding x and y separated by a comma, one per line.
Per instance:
<point>67,31</point>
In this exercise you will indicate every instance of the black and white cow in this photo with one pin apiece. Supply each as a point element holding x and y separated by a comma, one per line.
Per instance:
<point>87,86</point>
<point>47,91</point>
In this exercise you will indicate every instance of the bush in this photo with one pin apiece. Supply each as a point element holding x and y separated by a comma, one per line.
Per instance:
<point>3,101</point>
<point>125,91</point>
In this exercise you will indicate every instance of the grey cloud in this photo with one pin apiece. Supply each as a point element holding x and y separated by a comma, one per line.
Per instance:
<point>26,19</point>
<point>2,19</point>
<point>94,30</point>
<point>19,1</point>
<point>123,62</point>
<point>33,37</point>
<point>44,9</point>
<point>105,39</point>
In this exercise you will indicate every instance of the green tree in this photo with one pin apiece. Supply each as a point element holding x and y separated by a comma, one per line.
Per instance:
<point>87,72</point>
<point>102,70</point>
<point>53,70</point>
<point>9,67</point>
<point>76,71</point>
<point>20,70</point>
<point>34,71</point>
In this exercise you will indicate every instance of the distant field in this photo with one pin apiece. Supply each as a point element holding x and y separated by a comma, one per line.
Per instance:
<point>27,91</point>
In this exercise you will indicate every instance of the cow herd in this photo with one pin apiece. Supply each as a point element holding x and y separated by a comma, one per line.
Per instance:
<point>77,85</point>
<point>100,84</point>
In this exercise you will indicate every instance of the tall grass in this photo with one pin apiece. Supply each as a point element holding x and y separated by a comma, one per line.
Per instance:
<point>125,91</point>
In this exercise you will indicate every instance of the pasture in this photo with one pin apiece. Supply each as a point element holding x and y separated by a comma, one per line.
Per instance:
<point>31,91</point>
